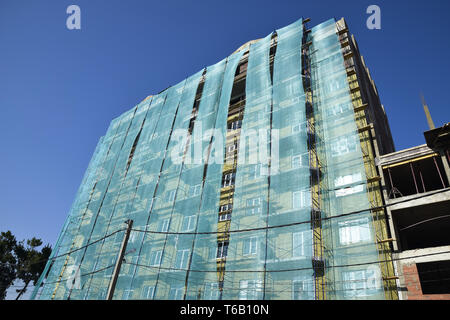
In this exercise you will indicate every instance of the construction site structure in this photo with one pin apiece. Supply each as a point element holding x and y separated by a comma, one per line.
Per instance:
<point>256,178</point>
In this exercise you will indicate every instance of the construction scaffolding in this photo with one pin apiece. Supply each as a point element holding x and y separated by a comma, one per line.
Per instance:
<point>254,178</point>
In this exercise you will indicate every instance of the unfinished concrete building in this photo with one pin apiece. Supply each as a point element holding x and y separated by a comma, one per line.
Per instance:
<point>416,189</point>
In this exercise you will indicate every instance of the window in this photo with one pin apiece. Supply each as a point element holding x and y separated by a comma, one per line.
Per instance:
<point>260,170</point>
<point>250,289</point>
<point>225,217</point>
<point>333,85</point>
<point>235,125</point>
<point>360,283</point>
<point>250,246</point>
<point>163,225</point>
<point>226,207</point>
<point>228,180</point>
<point>345,182</point>
<point>349,190</point>
<point>171,195</point>
<point>127,294</point>
<point>231,147</point>
<point>148,292</point>
<point>302,244</point>
<point>254,206</point>
<point>302,290</point>
<point>298,127</point>
<point>338,109</point>
<point>211,291</point>
<point>181,260</point>
<point>301,199</point>
<point>343,145</point>
<point>155,258</point>
<point>222,250</point>
<point>354,231</point>
<point>349,179</point>
<point>188,223</point>
<point>195,191</point>
<point>300,160</point>
<point>176,293</point>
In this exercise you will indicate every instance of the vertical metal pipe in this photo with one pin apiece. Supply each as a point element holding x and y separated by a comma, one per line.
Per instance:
<point>439,171</point>
<point>390,180</point>
<point>414,176</point>
<point>421,179</point>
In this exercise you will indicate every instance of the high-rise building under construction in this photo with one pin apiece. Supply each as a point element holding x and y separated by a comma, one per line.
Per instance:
<point>254,178</point>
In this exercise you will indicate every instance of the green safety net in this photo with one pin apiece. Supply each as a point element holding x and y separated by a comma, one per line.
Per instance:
<point>171,252</point>
<point>289,247</point>
<point>246,249</point>
<point>205,284</point>
<point>349,240</point>
<point>161,165</point>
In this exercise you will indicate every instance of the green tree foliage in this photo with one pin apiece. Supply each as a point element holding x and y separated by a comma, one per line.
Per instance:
<point>8,262</point>
<point>20,260</point>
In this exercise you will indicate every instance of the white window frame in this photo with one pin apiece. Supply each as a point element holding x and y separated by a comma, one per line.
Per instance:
<point>354,231</point>
<point>126,294</point>
<point>148,292</point>
<point>333,85</point>
<point>252,246</point>
<point>211,291</point>
<point>254,206</point>
<point>188,223</point>
<point>349,191</point>
<point>260,170</point>
<point>155,258</point>
<point>228,180</point>
<point>301,199</point>
<point>305,285</point>
<point>224,216</point>
<point>164,225</point>
<point>222,250</point>
<point>347,179</point>
<point>195,190</point>
<point>236,125</point>
<point>182,263</point>
<point>231,147</point>
<point>344,145</point>
<point>176,293</point>
<point>338,109</point>
<point>298,127</point>
<point>298,159</point>
<point>357,283</point>
<point>225,207</point>
<point>171,195</point>
<point>250,289</point>
<point>301,241</point>
<point>343,184</point>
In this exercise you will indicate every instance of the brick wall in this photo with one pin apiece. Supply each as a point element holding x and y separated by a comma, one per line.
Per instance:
<point>414,290</point>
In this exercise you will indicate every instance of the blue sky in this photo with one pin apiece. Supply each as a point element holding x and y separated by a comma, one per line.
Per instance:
<point>60,88</point>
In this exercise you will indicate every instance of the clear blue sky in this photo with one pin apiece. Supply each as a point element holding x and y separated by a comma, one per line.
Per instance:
<point>59,89</point>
